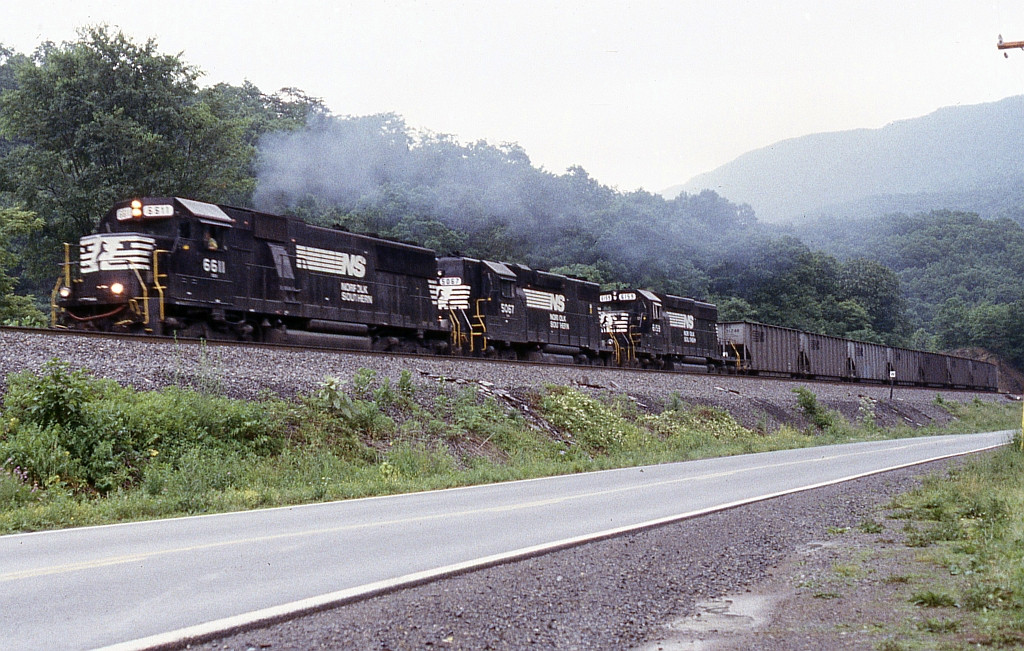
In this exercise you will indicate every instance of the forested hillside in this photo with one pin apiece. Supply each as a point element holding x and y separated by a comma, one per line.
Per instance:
<point>958,157</point>
<point>961,274</point>
<point>86,123</point>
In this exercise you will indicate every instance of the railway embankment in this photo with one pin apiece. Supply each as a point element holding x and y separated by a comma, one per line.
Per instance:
<point>248,372</point>
<point>100,429</point>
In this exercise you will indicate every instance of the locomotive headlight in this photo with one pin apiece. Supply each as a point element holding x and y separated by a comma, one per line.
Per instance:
<point>116,289</point>
<point>136,212</point>
<point>65,292</point>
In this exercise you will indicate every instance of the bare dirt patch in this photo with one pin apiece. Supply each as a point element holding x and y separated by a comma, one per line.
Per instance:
<point>860,588</point>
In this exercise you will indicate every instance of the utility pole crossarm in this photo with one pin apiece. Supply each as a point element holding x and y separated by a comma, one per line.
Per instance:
<point>1008,45</point>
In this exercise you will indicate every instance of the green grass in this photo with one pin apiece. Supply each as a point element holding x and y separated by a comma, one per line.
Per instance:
<point>972,520</point>
<point>75,450</point>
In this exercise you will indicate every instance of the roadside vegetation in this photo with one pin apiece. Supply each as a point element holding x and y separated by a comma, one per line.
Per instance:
<point>76,450</point>
<point>939,567</point>
<point>969,526</point>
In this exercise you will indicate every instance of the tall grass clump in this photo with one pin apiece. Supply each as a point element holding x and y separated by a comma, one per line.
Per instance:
<point>591,425</point>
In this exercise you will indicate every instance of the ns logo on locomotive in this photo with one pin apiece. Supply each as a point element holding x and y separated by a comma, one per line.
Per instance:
<point>175,266</point>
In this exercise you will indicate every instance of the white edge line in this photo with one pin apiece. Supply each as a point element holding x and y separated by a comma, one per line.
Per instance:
<point>267,616</point>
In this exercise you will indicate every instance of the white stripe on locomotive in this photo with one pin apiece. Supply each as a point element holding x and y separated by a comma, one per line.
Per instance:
<point>105,252</point>
<point>330,262</point>
<point>678,320</point>
<point>539,300</point>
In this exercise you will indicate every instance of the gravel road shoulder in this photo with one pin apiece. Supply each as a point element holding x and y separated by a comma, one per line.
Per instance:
<point>629,592</point>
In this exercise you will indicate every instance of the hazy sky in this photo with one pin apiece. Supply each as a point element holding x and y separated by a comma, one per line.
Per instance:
<point>641,94</point>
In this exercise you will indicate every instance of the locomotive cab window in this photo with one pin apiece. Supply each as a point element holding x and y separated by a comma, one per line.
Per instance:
<point>508,288</point>
<point>213,238</point>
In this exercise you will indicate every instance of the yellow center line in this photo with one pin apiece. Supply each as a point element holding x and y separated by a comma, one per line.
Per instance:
<point>143,556</point>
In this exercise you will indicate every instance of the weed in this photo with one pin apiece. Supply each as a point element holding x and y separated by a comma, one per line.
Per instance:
<point>932,599</point>
<point>675,402</point>
<point>363,382</point>
<point>827,595</point>
<point>849,571</point>
<point>897,579</point>
<point>953,408</point>
<point>333,396</point>
<point>866,412</point>
<point>817,414</point>
<point>15,488</point>
<point>933,625</point>
<point>406,389</point>
<point>870,526</point>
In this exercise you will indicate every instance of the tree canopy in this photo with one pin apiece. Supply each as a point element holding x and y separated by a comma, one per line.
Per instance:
<point>102,118</point>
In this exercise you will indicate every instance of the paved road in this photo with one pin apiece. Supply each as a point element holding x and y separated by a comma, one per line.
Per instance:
<point>90,587</point>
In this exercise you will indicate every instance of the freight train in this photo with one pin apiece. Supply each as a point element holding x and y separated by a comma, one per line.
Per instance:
<point>760,349</point>
<point>174,266</point>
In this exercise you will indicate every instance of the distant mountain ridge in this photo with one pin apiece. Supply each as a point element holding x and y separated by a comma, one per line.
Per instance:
<point>964,157</point>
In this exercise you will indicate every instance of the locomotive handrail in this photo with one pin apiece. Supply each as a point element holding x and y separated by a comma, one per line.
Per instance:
<point>67,264</point>
<point>457,337</point>
<point>65,279</point>
<point>54,308</point>
<point>482,332</point>
<point>145,299</point>
<point>630,338</point>
<point>156,281</point>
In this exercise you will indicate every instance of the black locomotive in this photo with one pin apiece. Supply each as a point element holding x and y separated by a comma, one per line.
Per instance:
<point>178,266</point>
<point>173,266</point>
<point>514,312</point>
<point>660,330</point>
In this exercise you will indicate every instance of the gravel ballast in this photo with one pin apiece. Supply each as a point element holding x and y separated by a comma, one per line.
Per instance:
<point>248,372</point>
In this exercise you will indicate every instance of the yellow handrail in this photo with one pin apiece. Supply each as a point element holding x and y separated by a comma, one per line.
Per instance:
<point>481,324</point>
<point>156,281</point>
<point>67,264</point>
<point>53,302</point>
<point>65,279</point>
<point>145,296</point>
<point>737,351</point>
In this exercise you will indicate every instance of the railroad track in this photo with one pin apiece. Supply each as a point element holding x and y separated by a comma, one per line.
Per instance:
<point>456,359</point>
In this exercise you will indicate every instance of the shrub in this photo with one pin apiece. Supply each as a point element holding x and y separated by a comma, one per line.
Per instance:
<point>68,429</point>
<point>593,426</point>
<point>808,403</point>
<point>55,396</point>
<point>39,452</point>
